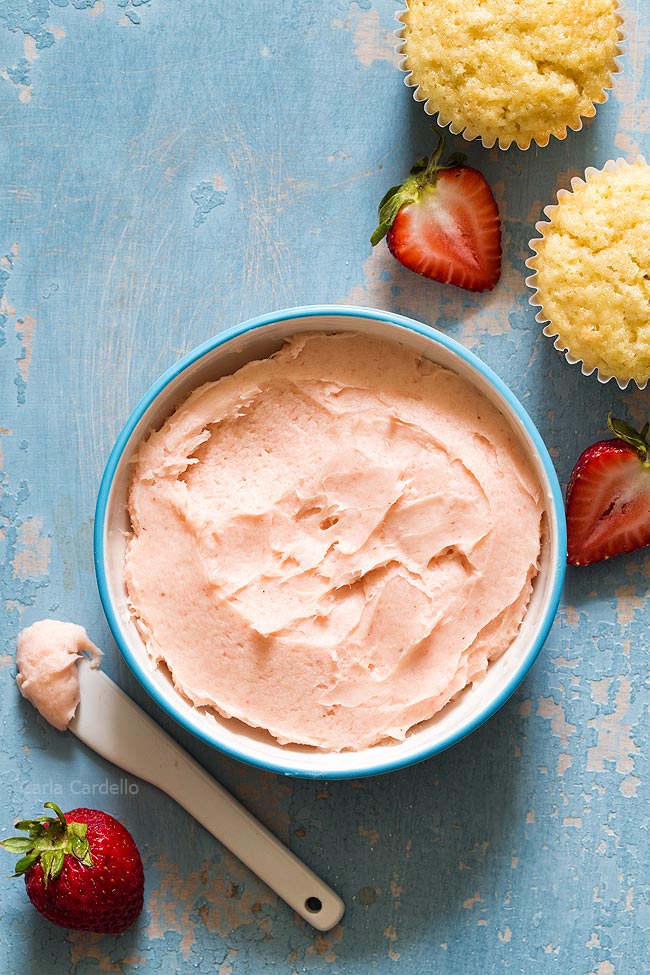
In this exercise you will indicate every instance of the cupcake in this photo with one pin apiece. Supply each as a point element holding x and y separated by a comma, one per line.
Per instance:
<point>510,71</point>
<point>592,272</point>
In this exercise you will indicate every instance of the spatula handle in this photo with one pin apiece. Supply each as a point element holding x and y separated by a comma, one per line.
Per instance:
<point>114,726</point>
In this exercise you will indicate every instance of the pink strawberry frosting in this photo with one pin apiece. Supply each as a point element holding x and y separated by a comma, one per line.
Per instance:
<point>332,543</point>
<point>47,657</point>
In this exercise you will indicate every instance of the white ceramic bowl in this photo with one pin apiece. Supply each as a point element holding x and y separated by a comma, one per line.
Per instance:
<point>226,353</point>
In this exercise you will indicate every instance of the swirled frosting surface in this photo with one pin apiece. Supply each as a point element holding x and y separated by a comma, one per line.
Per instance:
<point>331,543</point>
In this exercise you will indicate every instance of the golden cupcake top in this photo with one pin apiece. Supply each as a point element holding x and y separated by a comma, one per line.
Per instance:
<point>511,70</point>
<point>592,264</point>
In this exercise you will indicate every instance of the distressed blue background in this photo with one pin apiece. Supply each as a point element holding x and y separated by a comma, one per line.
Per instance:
<point>167,170</point>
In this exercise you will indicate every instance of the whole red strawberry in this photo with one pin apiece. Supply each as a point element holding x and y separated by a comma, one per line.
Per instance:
<point>608,497</point>
<point>82,869</point>
<point>443,222</point>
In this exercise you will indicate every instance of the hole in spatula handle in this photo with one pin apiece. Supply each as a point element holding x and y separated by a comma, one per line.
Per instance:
<point>314,905</point>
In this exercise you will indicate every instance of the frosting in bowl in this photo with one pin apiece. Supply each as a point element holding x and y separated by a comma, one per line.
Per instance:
<point>333,542</point>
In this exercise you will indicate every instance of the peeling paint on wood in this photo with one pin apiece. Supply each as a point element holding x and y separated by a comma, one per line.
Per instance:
<point>167,170</point>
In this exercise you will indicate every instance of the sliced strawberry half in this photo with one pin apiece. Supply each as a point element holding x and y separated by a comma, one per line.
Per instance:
<point>608,497</point>
<point>443,222</point>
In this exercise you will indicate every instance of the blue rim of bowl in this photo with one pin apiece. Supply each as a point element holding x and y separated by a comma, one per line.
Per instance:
<point>342,311</point>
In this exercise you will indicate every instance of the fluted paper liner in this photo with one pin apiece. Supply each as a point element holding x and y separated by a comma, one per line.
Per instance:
<point>456,128</point>
<point>537,301</point>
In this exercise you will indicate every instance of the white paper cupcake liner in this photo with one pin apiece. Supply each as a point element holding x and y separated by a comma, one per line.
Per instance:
<point>460,129</point>
<point>536,302</point>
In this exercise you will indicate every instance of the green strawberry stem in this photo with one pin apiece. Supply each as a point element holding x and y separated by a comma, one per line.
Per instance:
<point>423,176</point>
<point>637,439</point>
<point>50,840</point>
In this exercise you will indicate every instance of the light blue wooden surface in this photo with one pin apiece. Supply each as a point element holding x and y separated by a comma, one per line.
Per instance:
<point>168,169</point>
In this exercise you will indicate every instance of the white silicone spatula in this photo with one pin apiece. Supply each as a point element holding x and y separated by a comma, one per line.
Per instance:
<point>114,726</point>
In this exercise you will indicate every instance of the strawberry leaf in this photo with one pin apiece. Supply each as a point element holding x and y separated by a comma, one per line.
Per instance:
<point>23,865</point>
<point>78,830</point>
<point>419,165</point>
<point>81,850</point>
<point>47,857</point>
<point>51,840</point>
<point>57,864</point>
<point>30,824</point>
<point>638,440</point>
<point>17,844</point>
<point>392,202</point>
<point>423,174</point>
